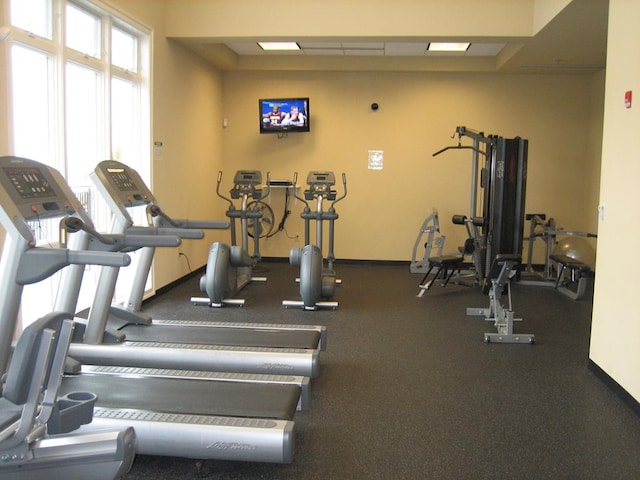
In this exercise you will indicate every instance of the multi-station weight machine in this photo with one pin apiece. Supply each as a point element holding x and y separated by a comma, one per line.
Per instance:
<point>496,210</point>
<point>495,221</point>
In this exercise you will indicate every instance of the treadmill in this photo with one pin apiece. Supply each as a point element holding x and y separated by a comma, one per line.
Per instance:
<point>37,438</point>
<point>123,188</point>
<point>152,344</point>
<point>172,417</point>
<point>158,217</point>
<point>86,238</point>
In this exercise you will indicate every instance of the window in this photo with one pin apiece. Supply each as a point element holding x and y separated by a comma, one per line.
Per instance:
<point>79,94</point>
<point>33,16</point>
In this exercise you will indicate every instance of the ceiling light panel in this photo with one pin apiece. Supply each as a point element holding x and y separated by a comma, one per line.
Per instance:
<point>448,47</point>
<point>279,46</point>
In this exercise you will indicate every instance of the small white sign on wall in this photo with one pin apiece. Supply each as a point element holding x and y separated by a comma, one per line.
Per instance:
<point>157,151</point>
<point>376,158</point>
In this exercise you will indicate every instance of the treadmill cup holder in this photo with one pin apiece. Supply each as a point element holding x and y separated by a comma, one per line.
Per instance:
<point>71,412</point>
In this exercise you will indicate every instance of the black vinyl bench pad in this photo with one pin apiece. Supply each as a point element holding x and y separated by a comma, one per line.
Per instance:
<point>571,263</point>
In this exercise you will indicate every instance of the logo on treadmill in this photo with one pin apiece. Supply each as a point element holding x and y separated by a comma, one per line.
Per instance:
<point>231,446</point>
<point>277,366</point>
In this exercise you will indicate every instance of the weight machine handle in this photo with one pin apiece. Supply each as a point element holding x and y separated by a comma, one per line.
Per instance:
<point>458,147</point>
<point>459,219</point>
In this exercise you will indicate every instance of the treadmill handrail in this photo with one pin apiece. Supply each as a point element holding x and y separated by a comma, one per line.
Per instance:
<point>201,224</point>
<point>39,263</point>
<point>165,231</point>
<point>155,211</point>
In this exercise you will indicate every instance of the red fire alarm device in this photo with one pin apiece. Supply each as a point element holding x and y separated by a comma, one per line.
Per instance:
<point>627,99</point>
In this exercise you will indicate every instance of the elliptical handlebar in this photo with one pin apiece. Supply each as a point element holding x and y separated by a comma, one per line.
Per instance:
<point>267,191</point>
<point>218,182</point>
<point>295,189</point>
<point>344,194</point>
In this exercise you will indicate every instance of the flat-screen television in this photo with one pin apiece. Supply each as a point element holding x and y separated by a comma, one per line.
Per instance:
<point>281,115</point>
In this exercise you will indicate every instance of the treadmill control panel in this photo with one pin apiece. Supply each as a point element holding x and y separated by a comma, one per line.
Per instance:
<point>122,183</point>
<point>32,188</point>
<point>121,179</point>
<point>29,182</point>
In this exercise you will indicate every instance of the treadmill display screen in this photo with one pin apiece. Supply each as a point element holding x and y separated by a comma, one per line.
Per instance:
<point>121,179</point>
<point>29,182</point>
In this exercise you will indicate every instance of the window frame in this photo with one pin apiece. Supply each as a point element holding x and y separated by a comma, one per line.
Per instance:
<point>60,56</point>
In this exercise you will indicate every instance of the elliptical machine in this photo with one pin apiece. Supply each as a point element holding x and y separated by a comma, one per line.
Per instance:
<point>230,267</point>
<point>316,280</point>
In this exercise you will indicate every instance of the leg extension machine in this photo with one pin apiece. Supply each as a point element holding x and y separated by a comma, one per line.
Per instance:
<point>504,268</point>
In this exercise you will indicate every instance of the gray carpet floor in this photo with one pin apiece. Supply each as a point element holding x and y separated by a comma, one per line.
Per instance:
<point>409,390</point>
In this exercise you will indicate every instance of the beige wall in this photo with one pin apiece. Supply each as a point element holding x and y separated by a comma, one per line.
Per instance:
<point>357,18</point>
<point>418,113</point>
<point>616,317</point>
<point>186,107</point>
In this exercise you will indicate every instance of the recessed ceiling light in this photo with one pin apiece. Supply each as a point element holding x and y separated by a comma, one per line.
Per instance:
<point>448,47</point>
<point>279,45</point>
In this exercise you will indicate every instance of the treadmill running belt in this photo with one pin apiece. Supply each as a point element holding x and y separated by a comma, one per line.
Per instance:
<point>188,396</point>
<point>239,337</point>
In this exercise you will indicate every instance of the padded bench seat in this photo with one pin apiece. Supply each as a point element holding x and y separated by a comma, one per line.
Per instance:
<point>445,265</point>
<point>571,263</point>
<point>579,273</point>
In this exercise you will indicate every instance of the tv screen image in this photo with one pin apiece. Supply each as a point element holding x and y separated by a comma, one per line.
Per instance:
<point>279,115</point>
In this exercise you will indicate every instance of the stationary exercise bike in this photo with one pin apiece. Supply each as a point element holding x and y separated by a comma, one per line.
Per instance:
<point>230,267</point>
<point>317,281</point>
